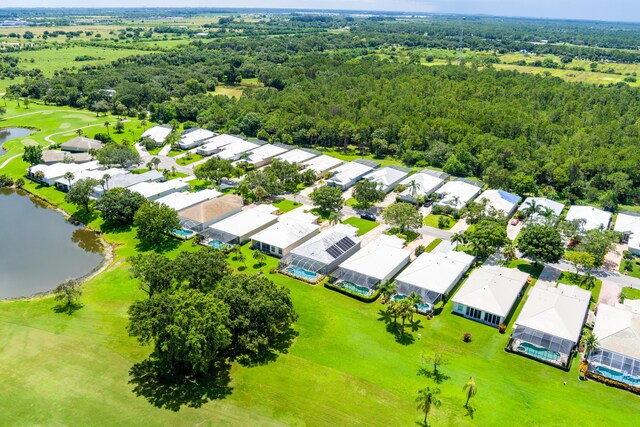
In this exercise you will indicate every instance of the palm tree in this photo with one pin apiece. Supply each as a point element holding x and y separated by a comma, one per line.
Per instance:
<point>413,188</point>
<point>259,256</point>
<point>69,176</point>
<point>588,280</point>
<point>509,252</point>
<point>427,399</point>
<point>405,310</point>
<point>470,388</point>
<point>415,300</point>
<point>590,342</point>
<point>387,290</point>
<point>532,208</point>
<point>458,238</point>
<point>107,125</point>
<point>106,177</point>
<point>456,201</point>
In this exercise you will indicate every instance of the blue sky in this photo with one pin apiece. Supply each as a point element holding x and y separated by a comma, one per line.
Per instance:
<point>612,10</point>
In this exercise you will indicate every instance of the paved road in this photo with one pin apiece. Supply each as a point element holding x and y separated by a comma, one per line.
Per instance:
<point>436,232</point>
<point>167,162</point>
<point>611,276</point>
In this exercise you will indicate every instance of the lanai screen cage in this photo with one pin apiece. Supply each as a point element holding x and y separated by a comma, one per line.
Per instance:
<point>624,364</point>
<point>545,341</point>
<point>356,278</point>
<point>303,262</point>
<point>221,236</point>
<point>431,297</point>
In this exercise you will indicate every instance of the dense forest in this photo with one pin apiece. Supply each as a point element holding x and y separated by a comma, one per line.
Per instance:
<point>521,132</point>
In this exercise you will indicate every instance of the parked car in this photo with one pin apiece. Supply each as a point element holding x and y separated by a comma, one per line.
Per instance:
<point>515,221</point>
<point>368,216</point>
<point>428,203</point>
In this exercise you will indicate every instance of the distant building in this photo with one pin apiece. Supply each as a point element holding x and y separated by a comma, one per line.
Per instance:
<point>298,155</point>
<point>152,190</point>
<point>501,201</point>
<point>387,177</point>
<point>345,176</point>
<point>628,223</point>
<point>594,218</point>
<point>422,184</point>
<point>321,164</point>
<point>200,216</point>
<point>158,134</point>
<point>194,137</point>
<point>81,144</point>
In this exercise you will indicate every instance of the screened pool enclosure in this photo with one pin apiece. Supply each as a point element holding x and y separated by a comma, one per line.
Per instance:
<point>539,345</point>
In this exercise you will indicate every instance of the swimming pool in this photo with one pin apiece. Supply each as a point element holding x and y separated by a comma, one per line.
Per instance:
<point>617,376</point>
<point>538,352</point>
<point>424,307</point>
<point>217,244</point>
<point>352,287</point>
<point>302,273</point>
<point>184,233</point>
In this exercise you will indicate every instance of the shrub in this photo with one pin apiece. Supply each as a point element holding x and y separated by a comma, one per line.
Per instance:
<point>443,222</point>
<point>420,250</point>
<point>466,337</point>
<point>502,328</point>
<point>6,181</point>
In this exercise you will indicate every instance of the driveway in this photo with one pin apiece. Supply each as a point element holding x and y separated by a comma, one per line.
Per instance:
<point>513,230</point>
<point>436,232</point>
<point>167,162</point>
<point>549,277</point>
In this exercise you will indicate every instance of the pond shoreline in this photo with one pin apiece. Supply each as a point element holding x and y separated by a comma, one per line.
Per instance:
<point>107,250</point>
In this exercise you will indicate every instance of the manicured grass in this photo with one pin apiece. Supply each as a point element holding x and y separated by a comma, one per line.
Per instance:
<point>285,205</point>
<point>431,220</point>
<point>173,153</point>
<point>188,159</point>
<point>635,267</point>
<point>363,225</point>
<point>569,278</point>
<point>630,293</point>
<point>351,202</point>
<point>140,171</point>
<point>408,236</point>
<point>431,246</point>
<point>199,184</point>
<point>322,215</point>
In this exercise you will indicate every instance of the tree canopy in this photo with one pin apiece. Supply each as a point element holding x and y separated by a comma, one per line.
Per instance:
<point>154,221</point>
<point>119,205</point>
<point>541,243</point>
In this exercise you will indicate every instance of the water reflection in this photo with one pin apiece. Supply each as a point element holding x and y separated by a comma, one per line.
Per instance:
<point>86,240</point>
<point>7,134</point>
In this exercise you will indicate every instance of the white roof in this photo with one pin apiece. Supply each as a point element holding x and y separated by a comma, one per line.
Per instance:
<point>285,233</point>
<point>217,142</point>
<point>196,135</point>
<point>500,200</point>
<point>379,258</point>
<point>595,218</point>
<point>296,156</point>
<point>557,311</point>
<point>618,330</point>
<point>463,190</point>
<point>543,202</point>
<point>127,180</point>
<point>317,248</point>
<point>247,221</point>
<point>158,133</point>
<point>184,199</point>
<point>57,170</point>
<point>436,271</point>
<point>265,152</point>
<point>386,176</point>
<point>492,289</point>
<point>230,151</point>
<point>348,172</point>
<point>151,189</point>
<point>425,184</point>
<point>626,223</point>
<point>93,173</point>
<point>322,163</point>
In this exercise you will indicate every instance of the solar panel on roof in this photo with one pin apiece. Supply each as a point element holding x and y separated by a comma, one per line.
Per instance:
<point>345,243</point>
<point>334,251</point>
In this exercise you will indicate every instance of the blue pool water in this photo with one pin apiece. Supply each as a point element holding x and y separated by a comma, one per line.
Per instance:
<point>217,244</point>
<point>617,376</point>
<point>539,352</point>
<point>301,273</point>
<point>185,234</point>
<point>354,288</point>
<point>425,307</point>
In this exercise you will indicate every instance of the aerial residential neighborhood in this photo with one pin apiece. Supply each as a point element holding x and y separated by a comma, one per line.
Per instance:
<point>311,217</point>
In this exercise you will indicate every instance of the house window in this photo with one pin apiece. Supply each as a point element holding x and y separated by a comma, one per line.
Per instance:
<point>491,318</point>
<point>279,251</point>
<point>474,313</point>
<point>460,308</point>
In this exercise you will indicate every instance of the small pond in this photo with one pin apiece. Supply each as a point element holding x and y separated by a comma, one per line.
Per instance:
<point>7,134</point>
<point>40,249</point>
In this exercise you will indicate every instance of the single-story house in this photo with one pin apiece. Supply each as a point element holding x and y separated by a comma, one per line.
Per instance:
<point>501,201</point>
<point>126,181</point>
<point>490,294</point>
<point>628,223</point>
<point>238,149</point>
<point>322,164</point>
<point>547,207</point>
<point>422,184</point>
<point>217,143</point>
<point>265,153</point>
<point>594,218</point>
<point>239,228</point>
<point>194,137</point>
<point>152,190</point>
<point>50,173</point>
<point>158,134</point>
<point>387,177</point>
<point>550,324</point>
<point>50,157</point>
<point>347,175</point>
<point>298,155</point>
<point>288,233</point>
<point>618,356</point>
<point>374,264</point>
<point>458,193</point>
<point>81,144</point>
<point>201,215</point>
<point>433,275</point>
<point>64,184</point>
<point>184,199</point>
<point>322,253</point>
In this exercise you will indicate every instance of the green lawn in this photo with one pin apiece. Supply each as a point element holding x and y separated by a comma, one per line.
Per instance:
<point>351,202</point>
<point>188,159</point>
<point>630,293</point>
<point>431,246</point>
<point>285,205</point>
<point>635,267</point>
<point>431,220</point>
<point>344,367</point>
<point>363,225</point>
<point>569,278</point>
